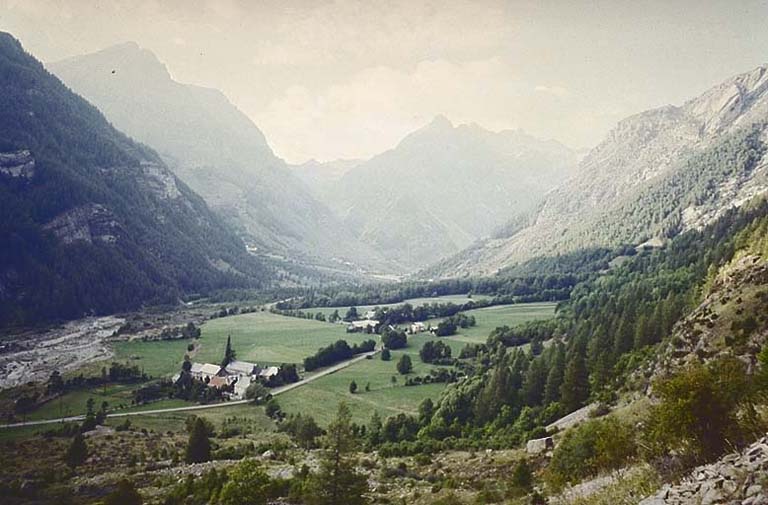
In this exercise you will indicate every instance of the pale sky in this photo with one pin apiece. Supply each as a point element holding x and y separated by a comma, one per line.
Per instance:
<point>348,79</point>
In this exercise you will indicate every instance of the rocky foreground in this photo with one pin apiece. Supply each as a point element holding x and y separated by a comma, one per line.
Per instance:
<point>738,478</point>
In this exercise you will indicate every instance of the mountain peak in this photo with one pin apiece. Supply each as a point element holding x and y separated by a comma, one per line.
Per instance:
<point>441,122</point>
<point>124,59</point>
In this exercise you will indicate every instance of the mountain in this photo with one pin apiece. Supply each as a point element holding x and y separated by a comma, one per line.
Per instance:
<point>217,150</point>
<point>321,177</point>
<point>443,187</point>
<point>657,174</point>
<point>90,221</point>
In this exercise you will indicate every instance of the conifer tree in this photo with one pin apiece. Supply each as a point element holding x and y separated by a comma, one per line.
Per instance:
<point>229,353</point>
<point>555,376</point>
<point>337,481</point>
<point>77,452</point>
<point>575,389</point>
<point>405,365</point>
<point>199,447</point>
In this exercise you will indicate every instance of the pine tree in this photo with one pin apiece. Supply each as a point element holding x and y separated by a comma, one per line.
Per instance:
<point>534,383</point>
<point>386,355</point>
<point>338,481</point>
<point>199,447</point>
<point>353,387</point>
<point>229,353</point>
<point>555,376</point>
<point>575,389</point>
<point>77,452</point>
<point>374,429</point>
<point>405,365</point>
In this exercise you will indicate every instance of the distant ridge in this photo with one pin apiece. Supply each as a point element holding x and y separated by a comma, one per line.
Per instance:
<point>657,173</point>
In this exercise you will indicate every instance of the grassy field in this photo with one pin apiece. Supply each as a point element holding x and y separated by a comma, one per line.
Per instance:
<point>324,395</point>
<point>260,337</point>
<point>457,299</point>
<point>268,338</point>
<point>489,318</point>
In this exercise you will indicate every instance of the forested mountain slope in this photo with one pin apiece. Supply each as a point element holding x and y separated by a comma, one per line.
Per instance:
<point>444,186</point>
<point>657,174</point>
<point>218,151</point>
<point>701,298</point>
<point>90,221</point>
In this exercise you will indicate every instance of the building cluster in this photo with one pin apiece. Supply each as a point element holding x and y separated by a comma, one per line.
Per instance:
<point>239,374</point>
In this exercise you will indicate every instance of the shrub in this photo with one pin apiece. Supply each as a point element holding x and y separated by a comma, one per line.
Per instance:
<point>704,410</point>
<point>595,446</point>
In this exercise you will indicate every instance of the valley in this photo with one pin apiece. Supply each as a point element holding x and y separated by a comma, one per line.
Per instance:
<point>325,253</point>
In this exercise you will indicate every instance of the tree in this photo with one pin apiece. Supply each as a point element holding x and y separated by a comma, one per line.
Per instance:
<point>404,365</point>
<point>338,481</point>
<point>393,339</point>
<point>353,387</point>
<point>704,410</point>
<point>522,478</point>
<point>272,409</point>
<point>555,376</point>
<point>229,353</point>
<point>575,389</point>
<point>125,494</point>
<point>351,314</point>
<point>77,452</point>
<point>386,355</point>
<point>199,447</point>
<point>248,483</point>
<point>256,392</point>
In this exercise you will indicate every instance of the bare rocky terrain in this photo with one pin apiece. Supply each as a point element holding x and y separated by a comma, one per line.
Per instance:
<point>738,478</point>
<point>65,348</point>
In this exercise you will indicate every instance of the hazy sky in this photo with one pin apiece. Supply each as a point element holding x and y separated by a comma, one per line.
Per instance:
<point>347,79</point>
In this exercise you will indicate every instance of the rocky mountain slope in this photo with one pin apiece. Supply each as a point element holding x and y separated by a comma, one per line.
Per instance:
<point>218,151</point>
<point>90,221</point>
<point>445,186</point>
<point>738,478</point>
<point>657,174</point>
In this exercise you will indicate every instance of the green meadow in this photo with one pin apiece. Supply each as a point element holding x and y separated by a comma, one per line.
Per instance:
<point>267,338</point>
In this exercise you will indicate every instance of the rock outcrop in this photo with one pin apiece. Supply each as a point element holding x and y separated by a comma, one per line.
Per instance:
<point>17,164</point>
<point>736,479</point>
<point>720,326</point>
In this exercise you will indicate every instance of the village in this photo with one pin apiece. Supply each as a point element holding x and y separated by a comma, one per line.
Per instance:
<point>235,376</point>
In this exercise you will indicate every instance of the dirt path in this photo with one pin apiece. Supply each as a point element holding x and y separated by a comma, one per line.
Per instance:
<point>275,392</point>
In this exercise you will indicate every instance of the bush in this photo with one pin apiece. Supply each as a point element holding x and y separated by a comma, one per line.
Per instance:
<point>595,446</point>
<point>704,411</point>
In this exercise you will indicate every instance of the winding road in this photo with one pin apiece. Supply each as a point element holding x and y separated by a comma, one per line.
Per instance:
<point>275,392</point>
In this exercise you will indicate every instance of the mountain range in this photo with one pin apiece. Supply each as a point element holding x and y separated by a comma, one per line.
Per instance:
<point>93,222</point>
<point>441,188</point>
<point>657,174</point>
<point>219,152</point>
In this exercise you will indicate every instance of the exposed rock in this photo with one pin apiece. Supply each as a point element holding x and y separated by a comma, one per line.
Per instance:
<point>737,478</point>
<point>17,164</point>
<point>539,445</point>
<point>90,223</point>
<point>707,332</point>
